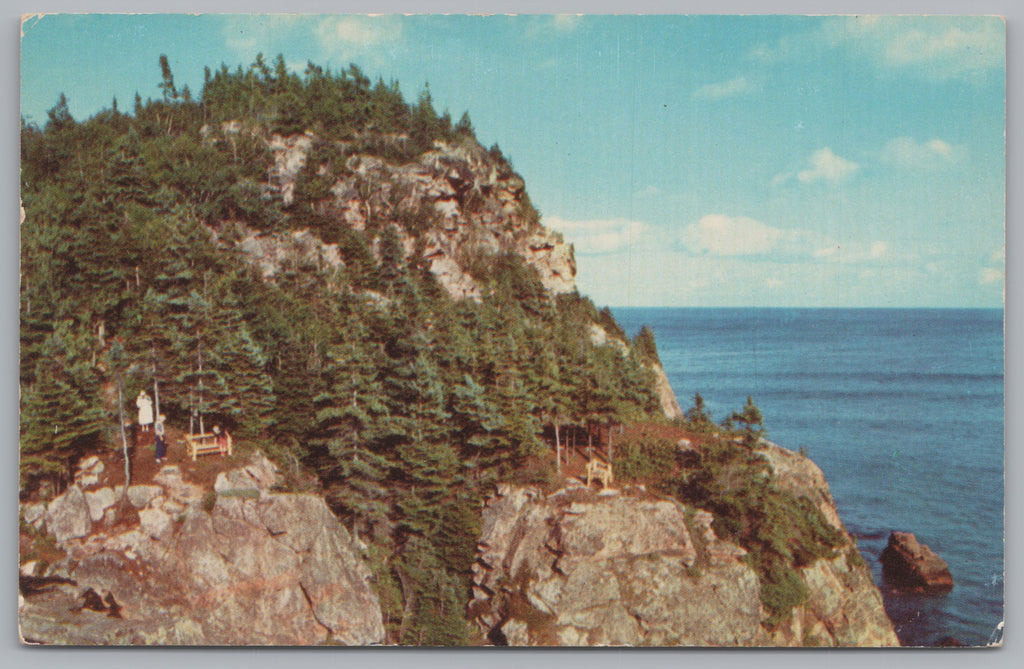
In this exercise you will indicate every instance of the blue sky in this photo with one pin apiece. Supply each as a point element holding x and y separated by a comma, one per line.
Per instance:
<point>692,160</point>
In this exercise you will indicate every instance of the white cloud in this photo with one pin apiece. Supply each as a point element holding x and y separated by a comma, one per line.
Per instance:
<point>720,235</point>
<point>908,152</point>
<point>773,282</point>
<point>724,89</point>
<point>827,166</point>
<point>339,31</point>
<point>989,275</point>
<point>939,47</point>
<point>597,237</point>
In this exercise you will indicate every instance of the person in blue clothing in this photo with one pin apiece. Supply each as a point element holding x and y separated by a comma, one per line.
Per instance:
<point>160,434</point>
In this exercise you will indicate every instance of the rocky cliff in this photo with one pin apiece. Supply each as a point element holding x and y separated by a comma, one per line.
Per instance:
<point>255,567</point>
<point>625,567</point>
<point>469,201</point>
<point>473,204</point>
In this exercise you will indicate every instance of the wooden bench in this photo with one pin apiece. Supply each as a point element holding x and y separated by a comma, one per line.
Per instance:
<point>205,444</point>
<point>599,470</point>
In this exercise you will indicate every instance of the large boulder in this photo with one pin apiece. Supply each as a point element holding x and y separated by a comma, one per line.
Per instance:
<point>259,568</point>
<point>68,517</point>
<point>100,500</point>
<point>908,564</point>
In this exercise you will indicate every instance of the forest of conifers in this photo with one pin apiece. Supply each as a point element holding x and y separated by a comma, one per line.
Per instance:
<point>407,405</point>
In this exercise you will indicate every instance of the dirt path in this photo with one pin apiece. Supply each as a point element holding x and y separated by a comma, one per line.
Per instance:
<point>143,464</point>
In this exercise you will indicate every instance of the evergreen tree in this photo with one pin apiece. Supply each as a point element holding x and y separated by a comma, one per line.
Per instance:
<point>170,93</point>
<point>61,410</point>
<point>698,415</point>
<point>751,420</point>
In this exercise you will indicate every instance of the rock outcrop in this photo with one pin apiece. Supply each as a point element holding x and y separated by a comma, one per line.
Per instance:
<point>666,396</point>
<point>468,201</point>
<point>258,568</point>
<point>580,568</point>
<point>907,564</point>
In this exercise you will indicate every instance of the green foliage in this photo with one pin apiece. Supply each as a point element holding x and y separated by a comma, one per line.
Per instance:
<point>645,460</point>
<point>645,345</point>
<point>407,407</point>
<point>752,421</point>
<point>782,532</point>
<point>698,418</point>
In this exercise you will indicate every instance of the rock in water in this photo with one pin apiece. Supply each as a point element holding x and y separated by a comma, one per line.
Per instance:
<point>907,564</point>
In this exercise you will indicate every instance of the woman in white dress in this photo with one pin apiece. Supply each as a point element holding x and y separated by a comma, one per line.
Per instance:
<point>145,406</point>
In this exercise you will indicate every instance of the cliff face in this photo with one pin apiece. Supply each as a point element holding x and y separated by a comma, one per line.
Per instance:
<point>626,568</point>
<point>475,204</point>
<point>258,568</point>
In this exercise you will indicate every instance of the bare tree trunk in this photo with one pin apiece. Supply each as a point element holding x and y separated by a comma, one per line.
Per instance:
<point>611,452</point>
<point>124,439</point>
<point>558,451</point>
<point>156,389</point>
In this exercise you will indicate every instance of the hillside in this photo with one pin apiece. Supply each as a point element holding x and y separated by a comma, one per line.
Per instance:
<point>348,281</point>
<point>352,285</point>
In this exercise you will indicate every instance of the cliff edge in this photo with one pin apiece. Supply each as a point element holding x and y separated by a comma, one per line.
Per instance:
<point>255,568</point>
<point>625,567</point>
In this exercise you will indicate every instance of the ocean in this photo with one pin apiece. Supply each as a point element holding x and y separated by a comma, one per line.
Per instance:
<point>901,408</point>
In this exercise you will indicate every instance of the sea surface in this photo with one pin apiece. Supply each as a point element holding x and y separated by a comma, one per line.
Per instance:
<point>901,408</point>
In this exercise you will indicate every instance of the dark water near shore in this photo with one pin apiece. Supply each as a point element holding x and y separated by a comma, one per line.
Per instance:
<point>902,409</point>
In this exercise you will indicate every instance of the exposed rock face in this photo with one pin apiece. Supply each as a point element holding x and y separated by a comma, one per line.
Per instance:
<point>669,404</point>
<point>579,568</point>
<point>582,568</point>
<point>845,608</point>
<point>259,568</point>
<point>472,203</point>
<point>907,564</point>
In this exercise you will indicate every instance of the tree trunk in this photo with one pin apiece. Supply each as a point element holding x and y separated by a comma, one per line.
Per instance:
<point>124,439</point>
<point>558,452</point>
<point>611,452</point>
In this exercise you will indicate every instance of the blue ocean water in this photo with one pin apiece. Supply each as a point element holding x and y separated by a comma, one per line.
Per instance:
<point>901,408</point>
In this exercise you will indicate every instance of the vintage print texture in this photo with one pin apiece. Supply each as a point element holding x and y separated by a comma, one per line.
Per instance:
<point>512,330</point>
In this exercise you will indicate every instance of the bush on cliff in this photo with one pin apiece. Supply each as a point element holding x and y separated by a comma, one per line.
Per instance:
<point>648,460</point>
<point>781,532</point>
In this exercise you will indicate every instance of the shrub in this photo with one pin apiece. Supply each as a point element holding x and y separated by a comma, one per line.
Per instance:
<point>644,460</point>
<point>781,531</point>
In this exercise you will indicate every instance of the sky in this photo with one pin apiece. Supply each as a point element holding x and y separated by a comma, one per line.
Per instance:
<point>782,161</point>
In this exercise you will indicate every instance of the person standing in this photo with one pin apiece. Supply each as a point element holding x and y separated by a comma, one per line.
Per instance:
<point>160,434</point>
<point>145,406</point>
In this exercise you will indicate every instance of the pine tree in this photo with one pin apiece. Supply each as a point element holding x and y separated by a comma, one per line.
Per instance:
<point>62,409</point>
<point>751,420</point>
<point>698,415</point>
